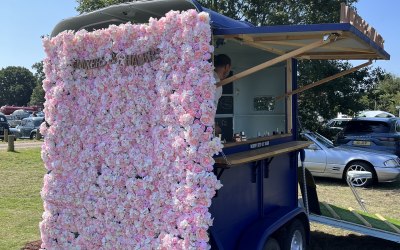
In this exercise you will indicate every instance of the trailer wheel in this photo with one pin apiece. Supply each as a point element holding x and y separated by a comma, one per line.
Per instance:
<point>296,237</point>
<point>272,244</point>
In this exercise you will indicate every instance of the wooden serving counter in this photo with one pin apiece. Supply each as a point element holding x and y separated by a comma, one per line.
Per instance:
<point>261,153</point>
<point>258,139</point>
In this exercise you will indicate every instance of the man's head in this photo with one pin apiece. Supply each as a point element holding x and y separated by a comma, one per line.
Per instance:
<point>222,64</point>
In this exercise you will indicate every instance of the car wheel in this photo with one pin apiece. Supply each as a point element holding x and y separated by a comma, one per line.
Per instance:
<point>271,244</point>
<point>360,166</point>
<point>33,136</point>
<point>296,237</point>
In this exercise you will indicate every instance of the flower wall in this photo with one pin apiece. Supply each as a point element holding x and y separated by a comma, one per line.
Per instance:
<point>129,138</point>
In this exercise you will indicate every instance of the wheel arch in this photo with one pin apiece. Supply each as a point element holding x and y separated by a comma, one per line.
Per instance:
<point>374,175</point>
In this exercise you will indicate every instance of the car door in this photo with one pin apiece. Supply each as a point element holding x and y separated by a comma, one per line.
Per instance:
<point>315,159</point>
<point>26,128</point>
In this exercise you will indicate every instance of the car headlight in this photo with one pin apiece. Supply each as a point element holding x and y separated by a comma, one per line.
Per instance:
<point>392,163</point>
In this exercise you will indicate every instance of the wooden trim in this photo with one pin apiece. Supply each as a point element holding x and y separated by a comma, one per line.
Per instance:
<point>327,79</point>
<point>364,221</point>
<point>340,57</point>
<point>258,139</point>
<point>262,153</point>
<point>293,37</point>
<point>397,230</point>
<point>274,61</point>
<point>331,211</point>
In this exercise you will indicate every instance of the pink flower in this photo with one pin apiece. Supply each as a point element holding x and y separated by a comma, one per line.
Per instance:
<point>129,141</point>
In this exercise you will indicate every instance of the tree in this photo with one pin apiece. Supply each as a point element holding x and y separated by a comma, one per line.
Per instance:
<point>37,97</point>
<point>16,86</point>
<point>91,5</point>
<point>388,94</point>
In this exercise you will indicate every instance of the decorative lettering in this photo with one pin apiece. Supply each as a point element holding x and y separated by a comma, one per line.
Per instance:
<point>120,59</point>
<point>348,15</point>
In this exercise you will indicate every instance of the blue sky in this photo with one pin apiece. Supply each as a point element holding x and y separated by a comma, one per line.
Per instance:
<point>23,22</point>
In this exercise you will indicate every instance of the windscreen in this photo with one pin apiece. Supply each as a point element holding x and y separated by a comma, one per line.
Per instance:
<point>355,127</point>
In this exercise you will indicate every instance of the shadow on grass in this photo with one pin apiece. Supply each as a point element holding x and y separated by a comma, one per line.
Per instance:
<point>321,240</point>
<point>13,152</point>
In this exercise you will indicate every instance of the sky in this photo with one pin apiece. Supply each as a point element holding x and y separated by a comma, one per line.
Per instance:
<point>22,23</point>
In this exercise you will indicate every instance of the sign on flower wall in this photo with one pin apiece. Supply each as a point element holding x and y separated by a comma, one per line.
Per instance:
<point>129,141</point>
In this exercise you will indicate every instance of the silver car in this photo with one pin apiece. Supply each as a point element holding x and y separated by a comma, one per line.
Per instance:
<point>323,159</point>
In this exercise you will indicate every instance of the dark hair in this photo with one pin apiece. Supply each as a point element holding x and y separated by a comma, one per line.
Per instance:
<point>221,60</point>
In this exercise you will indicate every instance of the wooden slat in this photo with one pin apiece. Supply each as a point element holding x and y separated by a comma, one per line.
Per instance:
<point>366,223</point>
<point>327,79</point>
<point>274,61</point>
<point>292,37</point>
<point>397,230</point>
<point>331,211</point>
<point>262,153</point>
<point>340,57</point>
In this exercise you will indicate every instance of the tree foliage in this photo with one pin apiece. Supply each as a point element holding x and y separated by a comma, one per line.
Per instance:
<point>37,97</point>
<point>16,85</point>
<point>387,94</point>
<point>91,5</point>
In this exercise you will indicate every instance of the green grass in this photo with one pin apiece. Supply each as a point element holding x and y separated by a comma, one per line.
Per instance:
<point>21,175</point>
<point>346,215</point>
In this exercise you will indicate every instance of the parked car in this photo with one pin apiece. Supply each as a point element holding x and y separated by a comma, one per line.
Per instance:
<point>29,127</point>
<point>323,159</point>
<point>12,121</point>
<point>376,113</point>
<point>3,125</point>
<point>21,114</point>
<point>375,133</point>
<point>337,123</point>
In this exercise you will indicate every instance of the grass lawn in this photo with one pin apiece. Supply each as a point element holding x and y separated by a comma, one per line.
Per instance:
<point>21,175</point>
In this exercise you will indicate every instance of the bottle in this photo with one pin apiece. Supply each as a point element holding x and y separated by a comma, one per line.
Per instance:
<point>236,137</point>
<point>243,136</point>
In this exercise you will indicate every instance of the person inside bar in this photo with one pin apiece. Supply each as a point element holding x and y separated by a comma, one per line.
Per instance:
<point>222,68</point>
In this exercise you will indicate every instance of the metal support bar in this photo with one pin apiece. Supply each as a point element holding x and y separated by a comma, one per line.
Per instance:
<point>327,79</point>
<point>354,175</point>
<point>254,169</point>
<point>266,167</point>
<point>276,60</point>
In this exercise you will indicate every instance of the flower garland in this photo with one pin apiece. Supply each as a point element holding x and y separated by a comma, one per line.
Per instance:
<point>129,145</point>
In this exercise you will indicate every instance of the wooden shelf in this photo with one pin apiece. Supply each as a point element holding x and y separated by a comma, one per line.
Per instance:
<point>258,139</point>
<point>262,153</point>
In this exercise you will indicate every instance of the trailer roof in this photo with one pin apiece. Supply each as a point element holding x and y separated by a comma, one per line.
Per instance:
<point>350,42</point>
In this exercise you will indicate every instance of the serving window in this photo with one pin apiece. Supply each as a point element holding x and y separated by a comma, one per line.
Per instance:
<point>248,105</point>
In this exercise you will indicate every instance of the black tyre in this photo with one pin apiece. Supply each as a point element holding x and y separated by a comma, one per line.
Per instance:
<point>33,135</point>
<point>360,166</point>
<point>272,244</point>
<point>296,237</point>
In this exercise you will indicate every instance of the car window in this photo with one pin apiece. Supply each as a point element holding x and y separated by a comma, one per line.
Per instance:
<point>367,127</point>
<point>341,123</point>
<point>2,119</point>
<point>398,126</point>
<point>37,122</point>
<point>29,123</point>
